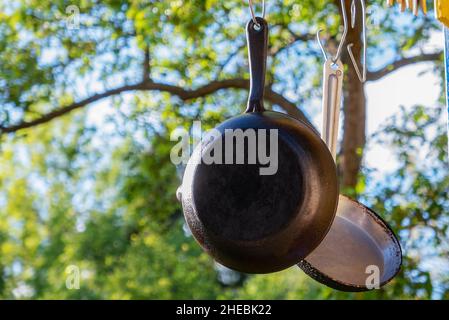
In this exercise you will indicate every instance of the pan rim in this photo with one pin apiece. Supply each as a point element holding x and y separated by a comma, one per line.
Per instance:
<point>329,281</point>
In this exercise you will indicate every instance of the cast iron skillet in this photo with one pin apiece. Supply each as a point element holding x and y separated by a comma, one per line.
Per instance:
<point>257,223</point>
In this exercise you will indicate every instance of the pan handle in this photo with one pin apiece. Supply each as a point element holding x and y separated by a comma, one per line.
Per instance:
<point>332,92</point>
<point>257,37</point>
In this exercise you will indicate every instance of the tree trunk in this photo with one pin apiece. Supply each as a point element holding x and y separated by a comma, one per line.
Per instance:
<point>354,125</point>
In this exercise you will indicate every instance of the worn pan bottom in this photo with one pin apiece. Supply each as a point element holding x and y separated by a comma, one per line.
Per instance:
<point>358,245</point>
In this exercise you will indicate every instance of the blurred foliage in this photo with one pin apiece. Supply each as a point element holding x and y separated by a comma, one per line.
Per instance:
<point>97,189</point>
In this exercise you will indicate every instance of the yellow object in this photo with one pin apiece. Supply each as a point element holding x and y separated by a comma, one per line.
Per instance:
<point>403,5</point>
<point>423,5</point>
<point>413,5</point>
<point>442,11</point>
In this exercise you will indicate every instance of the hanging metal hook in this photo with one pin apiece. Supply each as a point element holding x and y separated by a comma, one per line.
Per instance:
<point>343,37</point>
<point>361,75</point>
<point>253,14</point>
<point>321,45</point>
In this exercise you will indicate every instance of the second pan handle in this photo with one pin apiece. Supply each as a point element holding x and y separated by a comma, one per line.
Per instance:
<point>332,91</point>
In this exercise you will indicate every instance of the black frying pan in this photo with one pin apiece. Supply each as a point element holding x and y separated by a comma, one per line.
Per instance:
<point>257,223</point>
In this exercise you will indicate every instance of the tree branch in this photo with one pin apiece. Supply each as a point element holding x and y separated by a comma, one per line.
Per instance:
<point>229,59</point>
<point>183,94</point>
<point>376,75</point>
<point>293,40</point>
<point>146,75</point>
